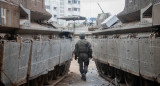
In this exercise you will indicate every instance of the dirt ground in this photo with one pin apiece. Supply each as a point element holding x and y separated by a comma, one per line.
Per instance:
<point>74,77</point>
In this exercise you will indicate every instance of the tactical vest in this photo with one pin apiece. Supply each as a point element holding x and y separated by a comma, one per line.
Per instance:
<point>83,46</point>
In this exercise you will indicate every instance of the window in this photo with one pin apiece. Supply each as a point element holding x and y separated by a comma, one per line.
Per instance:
<point>61,3</point>
<point>78,2</point>
<point>55,16</point>
<point>54,8</point>
<point>62,7</point>
<point>74,9</point>
<point>61,11</point>
<point>74,1</point>
<point>69,9</point>
<point>69,2</point>
<point>61,14</point>
<point>78,9</point>
<point>47,7</point>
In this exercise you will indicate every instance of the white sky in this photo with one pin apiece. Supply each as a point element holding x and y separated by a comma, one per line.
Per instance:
<point>90,8</point>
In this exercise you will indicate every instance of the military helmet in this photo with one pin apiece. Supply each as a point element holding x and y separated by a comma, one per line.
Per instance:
<point>82,36</point>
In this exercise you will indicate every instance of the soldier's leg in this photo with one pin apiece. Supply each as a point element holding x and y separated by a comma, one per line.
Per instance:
<point>82,71</point>
<point>86,63</point>
<point>80,66</point>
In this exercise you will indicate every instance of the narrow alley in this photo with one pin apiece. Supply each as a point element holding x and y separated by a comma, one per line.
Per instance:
<point>74,77</point>
<point>40,40</point>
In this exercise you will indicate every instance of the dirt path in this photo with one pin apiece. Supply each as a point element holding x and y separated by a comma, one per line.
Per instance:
<point>74,77</point>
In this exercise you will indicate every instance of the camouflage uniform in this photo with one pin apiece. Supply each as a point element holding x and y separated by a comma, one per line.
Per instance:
<point>83,51</point>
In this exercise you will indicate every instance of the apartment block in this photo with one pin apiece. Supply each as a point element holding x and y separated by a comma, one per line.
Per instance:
<point>62,8</point>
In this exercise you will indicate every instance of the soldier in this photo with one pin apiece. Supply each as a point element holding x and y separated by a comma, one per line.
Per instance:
<point>83,52</point>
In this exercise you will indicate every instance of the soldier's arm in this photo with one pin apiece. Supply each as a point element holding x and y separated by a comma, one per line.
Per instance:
<point>90,50</point>
<point>75,51</point>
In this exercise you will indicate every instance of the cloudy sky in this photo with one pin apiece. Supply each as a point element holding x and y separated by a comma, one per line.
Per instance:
<point>90,8</point>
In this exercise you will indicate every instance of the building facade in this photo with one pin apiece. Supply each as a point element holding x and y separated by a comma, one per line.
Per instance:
<point>62,8</point>
<point>52,6</point>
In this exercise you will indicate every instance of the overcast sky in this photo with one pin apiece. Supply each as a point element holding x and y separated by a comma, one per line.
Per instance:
<point>90,8</point>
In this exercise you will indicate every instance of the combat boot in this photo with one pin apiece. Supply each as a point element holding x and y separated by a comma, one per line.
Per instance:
<point>83,77</point>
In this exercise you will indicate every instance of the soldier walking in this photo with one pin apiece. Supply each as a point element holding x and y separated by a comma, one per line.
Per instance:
<point>83,53</point>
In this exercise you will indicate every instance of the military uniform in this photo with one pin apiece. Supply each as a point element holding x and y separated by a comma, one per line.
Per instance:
<point>83,51</point>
